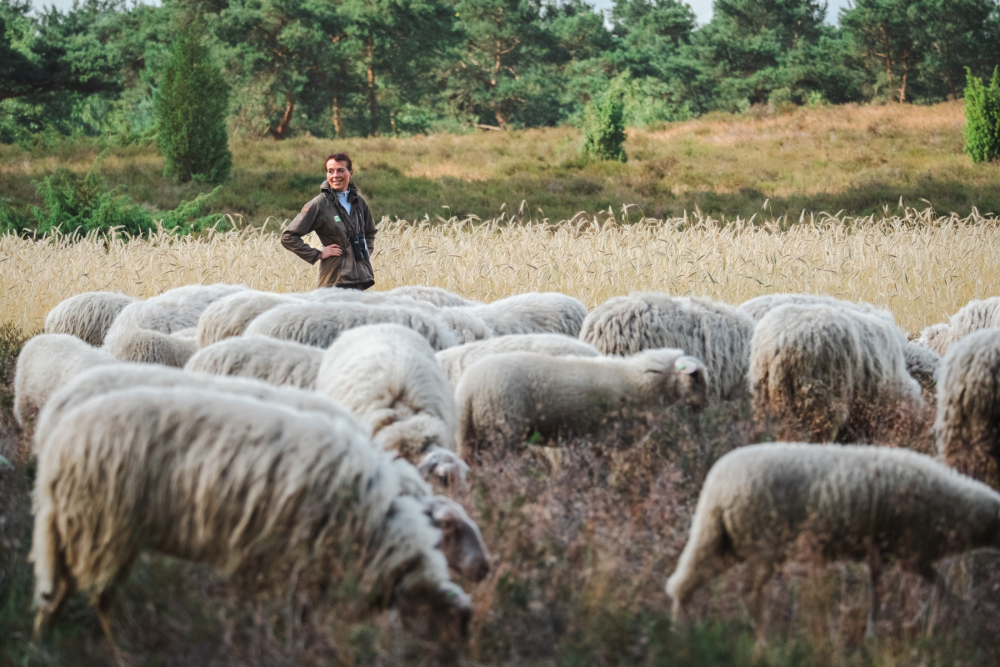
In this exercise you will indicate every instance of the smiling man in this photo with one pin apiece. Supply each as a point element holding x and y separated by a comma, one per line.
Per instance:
<point>344,225</point>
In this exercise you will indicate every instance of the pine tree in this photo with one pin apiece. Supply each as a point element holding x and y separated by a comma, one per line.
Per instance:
<point>191,112</point>
<point>604,127</point>
<point>982,115</point>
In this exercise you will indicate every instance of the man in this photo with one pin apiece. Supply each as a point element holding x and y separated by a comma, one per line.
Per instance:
<point>344,225</point>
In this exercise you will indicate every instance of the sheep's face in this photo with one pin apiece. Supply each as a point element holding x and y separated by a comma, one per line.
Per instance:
<point>461,542</point>
<point>692,381</point>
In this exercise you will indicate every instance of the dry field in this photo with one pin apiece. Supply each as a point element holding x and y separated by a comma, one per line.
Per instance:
<point>582,542</point>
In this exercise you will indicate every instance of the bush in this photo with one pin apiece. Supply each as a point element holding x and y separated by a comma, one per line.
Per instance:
<point>191,112</point>
<point>604,128</point>
<point>982,114</point>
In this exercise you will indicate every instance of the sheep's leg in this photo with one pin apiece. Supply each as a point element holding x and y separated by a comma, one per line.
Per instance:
<point>874,602</point>
<point>939,590</point>
<point>102,606</point>
<point>757,575</point>
<point>47,615</point>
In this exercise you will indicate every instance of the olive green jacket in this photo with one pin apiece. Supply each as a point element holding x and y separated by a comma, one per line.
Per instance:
<point>333,225</point>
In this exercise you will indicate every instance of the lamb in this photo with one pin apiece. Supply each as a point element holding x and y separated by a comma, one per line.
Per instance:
<point>535,312</point>
<point>87,316</point>
<point>123,377</point>
<point>127,471</point>
<point>388,377</point>
<point>835,373</point>
<point>967,428</point>
<point>714,332</point>
<point>230,315</point>
<point>319,324</point>
<point>46,363</point>
<point>505,397</point>
<point>765,504</point>
<point>277,362</point>
<point>141,332</point>
<point>455,360</point>
<point>435,295</point>
<point>760,306</point>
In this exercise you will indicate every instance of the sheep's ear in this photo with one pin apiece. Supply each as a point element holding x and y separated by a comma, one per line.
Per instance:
<point>685,365</point>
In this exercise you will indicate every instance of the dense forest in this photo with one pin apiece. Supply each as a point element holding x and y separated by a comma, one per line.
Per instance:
<point>400,67</point>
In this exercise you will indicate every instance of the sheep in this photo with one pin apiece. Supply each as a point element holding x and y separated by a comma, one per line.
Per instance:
<point>765,504</point>
<point>388,377</point>
<point>319,324</point>
<point>122,377</point>
<point>230,315</point>
<point>129,471</point>
<point>935,337</point>
<point>714,332</point>
<point>46,363</point>
<point>505,397</point>
<point>922,364</point>
<point>435,295</point>
<point>973,316</point>
<point>141,332</point>
<point>834,373</point>
<point>455,360</point>
<point>87,316</point>
<point>760,306</point>
<point>545,312</point>
<point>277,362</point>
<point>967,427</point>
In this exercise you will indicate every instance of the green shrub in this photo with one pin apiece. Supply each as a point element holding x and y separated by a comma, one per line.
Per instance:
<point>982,115</point>
<point>604,128</point>
<point>191,110</point>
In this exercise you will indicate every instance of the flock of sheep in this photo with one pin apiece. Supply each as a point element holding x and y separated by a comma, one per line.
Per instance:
<point>261,433</point>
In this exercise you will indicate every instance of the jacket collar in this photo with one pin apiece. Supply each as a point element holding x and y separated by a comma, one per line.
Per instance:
<point>352,189</point>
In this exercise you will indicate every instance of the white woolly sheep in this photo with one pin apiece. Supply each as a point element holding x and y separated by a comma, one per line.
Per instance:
<point>973,316</point>
<point>141,332</point>
<point>505,397</point>
<point>319,324</point>
<point>833,373</point>
<point>287,492</point>
<point>46,363</point>
<point>766,504</point>
<point>967,428</point>
<point>535,312</point>
<point>441,298</point>
<point>231,315</point>
<point>923,365</point>
<point>935,338</point>
<point>714,332</point>
<point>760,306</point>
<point>122,377</point>
<point>388,377</point>
<point>455,360</point>
<point>87,316</point>
<point>277,362</point>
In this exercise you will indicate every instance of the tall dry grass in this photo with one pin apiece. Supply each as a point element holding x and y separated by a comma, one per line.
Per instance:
<point>920,266</point>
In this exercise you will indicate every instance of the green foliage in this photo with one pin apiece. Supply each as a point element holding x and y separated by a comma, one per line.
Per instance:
<point>191,112</point>
<point>982,114</point>
<point>604,128</point>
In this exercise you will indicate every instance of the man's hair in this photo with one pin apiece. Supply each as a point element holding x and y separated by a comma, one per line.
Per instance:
<point>340,157</point>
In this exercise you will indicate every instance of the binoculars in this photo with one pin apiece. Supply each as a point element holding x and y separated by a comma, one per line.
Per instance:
<point>360,247</point>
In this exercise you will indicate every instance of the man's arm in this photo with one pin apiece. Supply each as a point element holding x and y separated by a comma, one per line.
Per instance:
<point>303,223</point>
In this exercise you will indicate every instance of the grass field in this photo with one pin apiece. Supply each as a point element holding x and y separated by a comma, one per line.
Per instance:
<point>845,158</point>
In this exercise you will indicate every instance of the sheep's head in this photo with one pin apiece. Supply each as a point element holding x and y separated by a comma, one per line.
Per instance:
<point>677,376</point>
<point>461,542</point>
<point>413,435</point>
<point>692,380</point>
<point>445,465</point>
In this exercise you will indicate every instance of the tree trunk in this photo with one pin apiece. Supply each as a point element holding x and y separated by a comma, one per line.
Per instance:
<point>372,98</point>
<point>906,73</point>
<point>338,119</point>
<point>281,131</point>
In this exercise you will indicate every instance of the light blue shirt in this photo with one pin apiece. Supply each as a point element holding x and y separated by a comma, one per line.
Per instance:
<point>342,196</point>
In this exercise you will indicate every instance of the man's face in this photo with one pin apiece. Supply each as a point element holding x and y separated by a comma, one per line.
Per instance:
<point>338,175</point>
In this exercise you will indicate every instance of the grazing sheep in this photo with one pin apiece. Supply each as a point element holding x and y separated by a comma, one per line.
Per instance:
<point>388,377</point>
<point>87,316</point>
<point>935,338</point>
<point>230,315</point>
<point>46,363</point>
<point>504,398</point>
<point>467,327</point>
<point>277,362</point>
<point>967,428</point>
<point>128,471</point>
<point>714,332</point>
<point>760,306</point>
<point>922,364</point>
<point>319,324</point>
<point>455,360</point>
<point>441,298</point>
<point>765,504</point>
<point>973,316</point>
<point>834,373</point>
<point>123,377</point>
<point>141,332</point>
<point>535,312</point>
